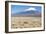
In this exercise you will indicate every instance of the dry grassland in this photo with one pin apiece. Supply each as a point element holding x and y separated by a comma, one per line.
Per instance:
<point>25,22</point>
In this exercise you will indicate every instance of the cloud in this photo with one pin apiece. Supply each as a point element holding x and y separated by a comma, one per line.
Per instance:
<point>30,9</point>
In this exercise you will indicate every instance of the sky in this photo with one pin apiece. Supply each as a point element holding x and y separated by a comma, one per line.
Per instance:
<point>21,8</point>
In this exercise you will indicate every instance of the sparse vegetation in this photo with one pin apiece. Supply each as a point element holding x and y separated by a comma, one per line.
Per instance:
<point>25,22</point>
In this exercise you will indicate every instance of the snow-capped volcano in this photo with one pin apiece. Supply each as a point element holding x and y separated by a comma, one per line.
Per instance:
<point>28,12</point>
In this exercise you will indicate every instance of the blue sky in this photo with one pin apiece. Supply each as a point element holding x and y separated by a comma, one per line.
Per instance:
<point>21,8</point>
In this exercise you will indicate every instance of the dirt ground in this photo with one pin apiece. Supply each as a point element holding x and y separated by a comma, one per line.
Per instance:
<point>25,22</point>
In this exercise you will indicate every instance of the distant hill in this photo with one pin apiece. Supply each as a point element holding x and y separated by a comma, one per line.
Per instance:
<point>28,13</point>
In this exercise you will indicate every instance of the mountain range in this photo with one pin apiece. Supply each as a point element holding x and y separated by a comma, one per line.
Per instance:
<point>27,14</point>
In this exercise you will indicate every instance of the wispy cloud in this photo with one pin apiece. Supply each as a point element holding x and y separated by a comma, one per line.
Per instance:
<point>30,9</point>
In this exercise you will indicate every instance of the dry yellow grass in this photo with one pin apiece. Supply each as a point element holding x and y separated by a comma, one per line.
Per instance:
<point>25,22</point>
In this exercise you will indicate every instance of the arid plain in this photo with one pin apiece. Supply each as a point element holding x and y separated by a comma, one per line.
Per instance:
<point>25,22</point>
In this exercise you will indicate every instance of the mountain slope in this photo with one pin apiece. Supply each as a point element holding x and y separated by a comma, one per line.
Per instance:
<point>28,13</point>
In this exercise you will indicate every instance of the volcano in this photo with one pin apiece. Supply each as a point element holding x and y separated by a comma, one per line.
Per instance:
<point>28,13</point>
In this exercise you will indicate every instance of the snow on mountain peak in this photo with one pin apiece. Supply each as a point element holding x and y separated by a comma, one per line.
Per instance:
<point>30,9</point>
